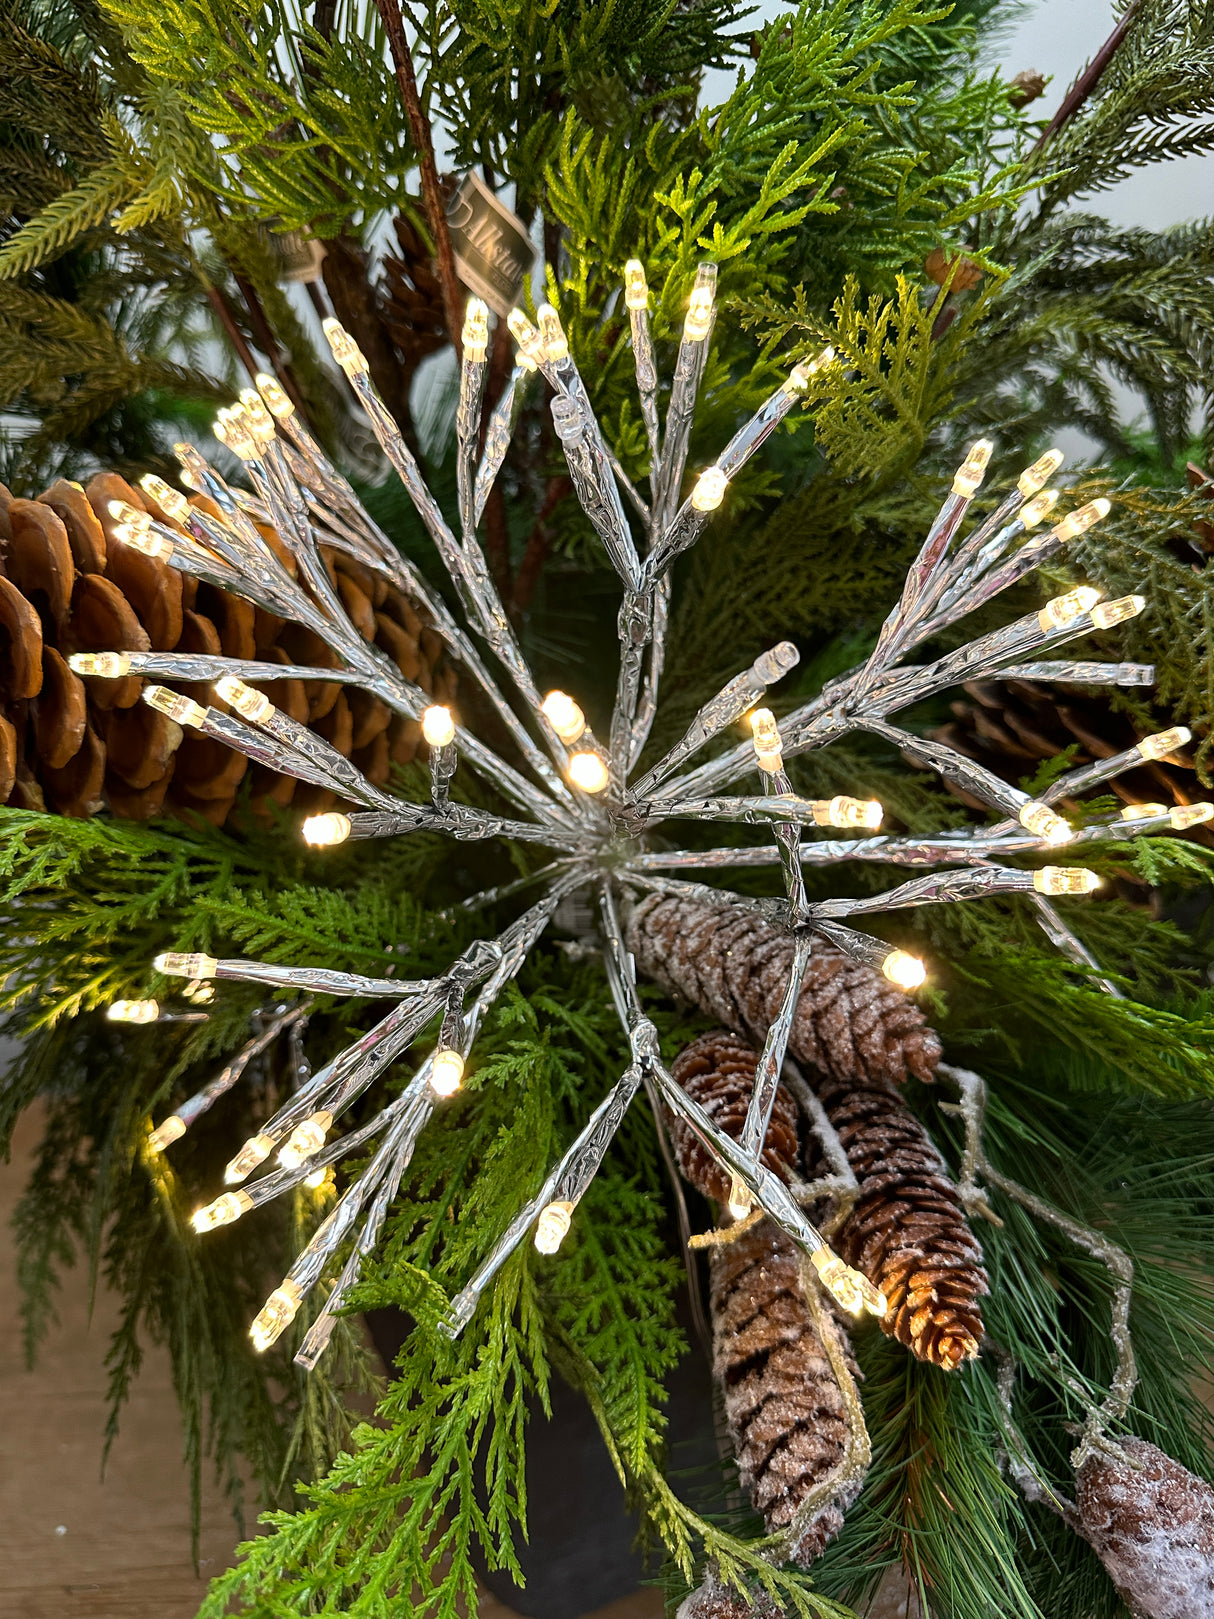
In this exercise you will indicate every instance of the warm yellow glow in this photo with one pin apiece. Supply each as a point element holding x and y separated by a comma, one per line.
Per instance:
<point>1065,880</point>
<point>255,1151</point>
<point>1083,518</point>
<point>1039,508</point>
<point>903,970</point>
<point>318,1178</point>
<point>123,512</point>
<point>1040,820</point>
<point>842,811</point>
<point>1190,815</point>
<point>564,715</point>
<point>709,491</point>
<point>972,470</point>
<point>1040,473</point>
<point>1064,610</point>
<point>110,665</point>
<point>276,401</point>
<point>1116,612</point>
<point>698,320</point>
<point>769,746</point>
<point>146,541</point>
<point>276,1315</point>
<point>798,378</point>
<point>552,334</point>
<point>636,288</point>
<point>171,501</point>
<point>475,334</point>
<point>181,964</point>
<point>133,1011</point>
<point>438,727</point>
<point>588,771</point>
<point>552,1227</point>
<point>1138,812</point>
<point>740,1201</point>
<point>182,709</point>
<point>1162,743</point>
<point>261,423</point>
<point>530,347</point>
<point>323,831</point>
<point>345,350</point>
<point>231,427</point>
<point>853,1290</point>
<point>227,1207</point>
<point>306,1139</point>
<point>165,1134</point>
<point>446,1071</point>
<point>252,705</point>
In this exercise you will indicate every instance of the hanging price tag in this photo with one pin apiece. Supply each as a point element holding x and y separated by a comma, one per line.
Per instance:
<point>493,252</point>
<point>296,257</point>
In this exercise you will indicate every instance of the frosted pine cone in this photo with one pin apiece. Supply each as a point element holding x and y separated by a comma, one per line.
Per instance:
<point>1151,1523</point>
<point>908,1232</point>
<point>712,1600</point>
<point>718,1072</point>
<point>850,1024</point>
<point>786,1413</point>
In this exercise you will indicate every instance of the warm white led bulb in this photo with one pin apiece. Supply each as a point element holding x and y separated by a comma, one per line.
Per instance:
<point>842,811</point>
<point>1040,473</point>
<point>1036,510</point>
<point>323,831</point>
<point>972,470</point>
<point>904,970</point>
<point>530,345</point>
<point>182,964</point>
<point>165,1134</point>
<point>438,727</point>
<point>1064,610</point>
<point>589,772</point>
<point>698,321</point>
<point>1040,820</point>
<point>552,1227</point>
<point>226,1208</point>
<point>768,744</point>
<point>109,665</point>
<point>133,1011</point>
<point>130,516</point>
<point>276,399</point>
<point>797,379</point>
<point>318,1178</point>
<point>446,1072</point>
<point>636,288</point>
<point>564,715</point>
<point>709,491</point>
<point>261,423</point>
<point>306,1139</point>
<point>184,710</point>
<point>1164,742</point>
<point>253,706</point>
<point>1116,612</point>
<point>345,350</point>
<point>475,335</point>
<point>1140,812</point>
<point>1065,880</point>
<point>853,1290</point>
<point>1081,519</point>
<point>552,334</point>
<point>171,502</point>
<point>1185,815</point>
<point>276,1315</point>
<point>255,1151</point>
<point>740,1201</point>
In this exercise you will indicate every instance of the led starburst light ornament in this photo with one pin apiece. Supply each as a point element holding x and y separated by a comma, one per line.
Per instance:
<point>608,830</point>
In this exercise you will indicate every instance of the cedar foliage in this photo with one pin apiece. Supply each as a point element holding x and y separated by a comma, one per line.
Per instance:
<point>142,152</point>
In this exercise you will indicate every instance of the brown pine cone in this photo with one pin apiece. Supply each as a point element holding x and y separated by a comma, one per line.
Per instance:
<point>962,274</point>
<point>718,1072</point>
<point>907,1232</point>
<point>1026,87</point>
<point>850,1023</point>
<point>1151,1523</point>
<point>785,1411</point>
<point>713,1600</point>
<point>69,584</point>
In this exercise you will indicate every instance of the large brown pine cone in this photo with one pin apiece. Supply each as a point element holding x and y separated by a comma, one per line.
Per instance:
<point>785,1411</point>
<point>907,1232</point>
<point>718,1072</point>
<point>1151,1523</point>
<point>851,1022</point>
<point>69,584</point>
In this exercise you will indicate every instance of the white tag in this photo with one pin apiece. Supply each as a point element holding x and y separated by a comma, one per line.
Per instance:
<point>493,252</point>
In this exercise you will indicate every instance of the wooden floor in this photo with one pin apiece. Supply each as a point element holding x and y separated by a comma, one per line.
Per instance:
<point>77,1546</point>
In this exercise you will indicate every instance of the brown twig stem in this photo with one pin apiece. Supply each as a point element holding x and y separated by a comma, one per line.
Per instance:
<point>432,196</point>
<point>1090,77</point>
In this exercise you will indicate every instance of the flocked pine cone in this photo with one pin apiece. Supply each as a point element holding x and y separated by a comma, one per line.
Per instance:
<point>782,1401</point>
<point>851,1023</point>
<point>907,1232</point>
<point>72,745</point>
<point>718,1072</point>
<point>1151,1523</point>
<point>713,1600</point>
